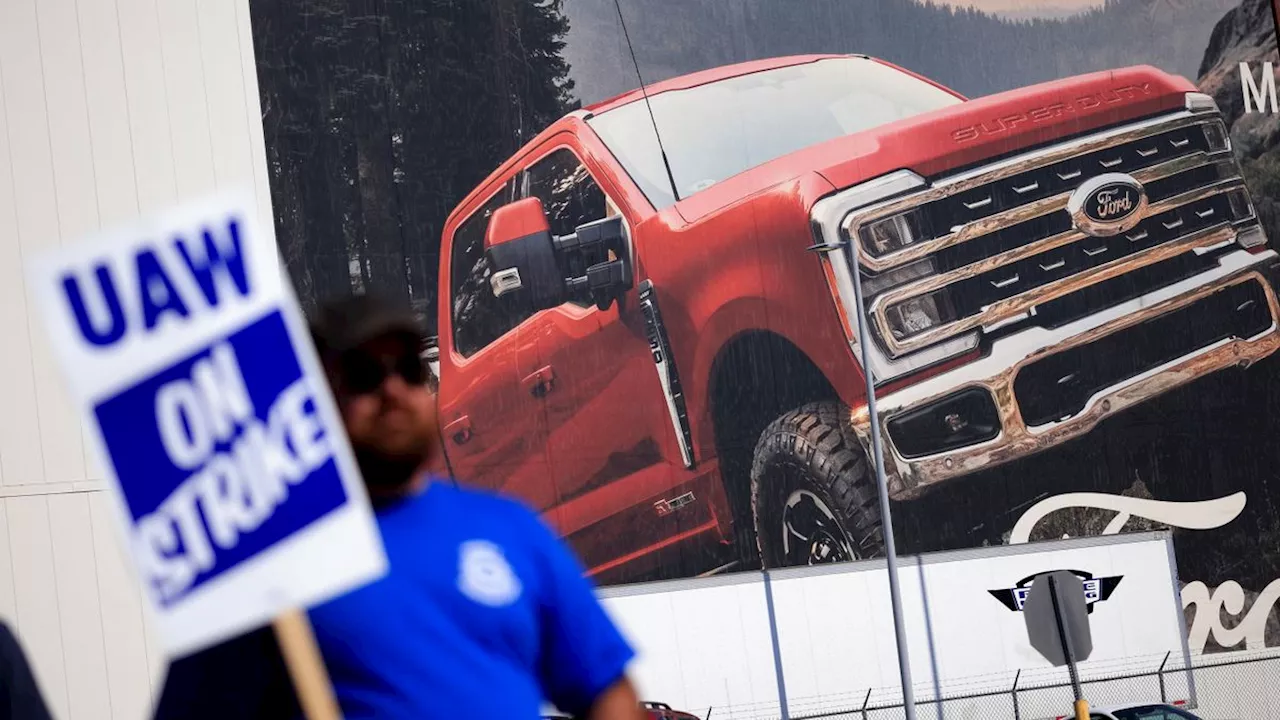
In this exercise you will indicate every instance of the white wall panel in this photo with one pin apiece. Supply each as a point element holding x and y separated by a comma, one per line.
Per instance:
<point>133,665</point>
<point>39,621</point>
<point>220,52</point>
<point>108,108</point>
<point>71,152</point>
<point>188,102</point>
<point>64,588</point>
<point>79,609</point>
<point>111,143</point>
<point>20,452</point>
<point>8,594</point>
<point>36,113</point>
<point>139,27</point>
<point>107,100</point>
<point>35,213</point>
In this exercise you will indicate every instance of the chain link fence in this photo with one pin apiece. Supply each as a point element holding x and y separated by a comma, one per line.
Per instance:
<point>1226,686</point>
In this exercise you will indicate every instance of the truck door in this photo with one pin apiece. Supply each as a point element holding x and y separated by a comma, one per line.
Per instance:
<point>493,429</point>
<point>612,448</point>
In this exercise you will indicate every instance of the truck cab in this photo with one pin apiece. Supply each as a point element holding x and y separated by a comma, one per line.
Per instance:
<point>649,315</point>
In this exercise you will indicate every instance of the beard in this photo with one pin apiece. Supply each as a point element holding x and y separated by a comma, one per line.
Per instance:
<point>388,474</point>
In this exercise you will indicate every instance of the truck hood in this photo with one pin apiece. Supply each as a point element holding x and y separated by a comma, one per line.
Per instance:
<point>945,140</point>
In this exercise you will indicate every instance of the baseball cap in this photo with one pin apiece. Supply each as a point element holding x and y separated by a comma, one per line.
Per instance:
<point>346,323</point>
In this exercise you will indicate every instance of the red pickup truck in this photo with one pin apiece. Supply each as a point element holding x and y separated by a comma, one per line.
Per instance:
<point>655,343</point>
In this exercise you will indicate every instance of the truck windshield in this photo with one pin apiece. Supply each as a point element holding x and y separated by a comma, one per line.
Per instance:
<point>715,131</point>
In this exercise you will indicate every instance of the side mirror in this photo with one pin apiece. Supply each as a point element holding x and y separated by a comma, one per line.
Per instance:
<point>522,255</point>
<point>593,264</point>
<point>596,261</point>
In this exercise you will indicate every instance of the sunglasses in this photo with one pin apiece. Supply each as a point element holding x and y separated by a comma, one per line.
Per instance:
<point>363,373</point>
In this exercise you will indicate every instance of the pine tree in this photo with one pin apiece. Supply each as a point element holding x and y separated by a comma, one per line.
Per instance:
<point>379,117</point>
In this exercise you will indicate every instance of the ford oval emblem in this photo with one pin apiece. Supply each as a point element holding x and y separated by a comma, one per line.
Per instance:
<point>1108,205</point>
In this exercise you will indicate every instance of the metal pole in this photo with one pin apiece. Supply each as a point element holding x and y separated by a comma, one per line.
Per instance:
<point>928,632</point>
<point>1017,712</point>
<point>1163,696</point>
<point>1082,707</point>
<point>866,700</point>
<point>777,649</point>
<point>882,487</point>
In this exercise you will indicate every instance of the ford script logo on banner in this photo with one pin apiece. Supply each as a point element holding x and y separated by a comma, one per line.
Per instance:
<point>1108,205</point>
<point>207,409</point>
<point>1096,590</point>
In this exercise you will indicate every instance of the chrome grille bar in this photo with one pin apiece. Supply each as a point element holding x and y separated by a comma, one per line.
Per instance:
<point>1023,302</point>
<point>1005,169</point>
<point>933,283</point>
<point>986,246</point>
<point>1046,206</point>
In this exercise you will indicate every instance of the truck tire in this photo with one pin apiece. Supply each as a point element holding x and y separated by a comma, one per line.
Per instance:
<point>812,496</point>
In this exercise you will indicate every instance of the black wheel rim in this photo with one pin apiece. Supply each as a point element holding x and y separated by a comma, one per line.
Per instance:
<point>811,535</point>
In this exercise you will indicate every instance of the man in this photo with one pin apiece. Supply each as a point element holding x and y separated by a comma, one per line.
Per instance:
<point>484,612</point>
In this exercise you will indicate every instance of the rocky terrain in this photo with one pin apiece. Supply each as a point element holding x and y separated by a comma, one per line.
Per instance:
<point>1248,34</point>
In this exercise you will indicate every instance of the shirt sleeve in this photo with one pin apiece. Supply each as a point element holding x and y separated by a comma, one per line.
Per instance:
<point>582,653</point>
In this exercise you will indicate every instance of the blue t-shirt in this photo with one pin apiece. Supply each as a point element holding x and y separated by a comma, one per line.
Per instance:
<point>484,614</point>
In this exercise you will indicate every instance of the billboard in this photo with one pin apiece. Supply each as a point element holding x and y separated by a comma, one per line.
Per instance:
<point>1060,216</point>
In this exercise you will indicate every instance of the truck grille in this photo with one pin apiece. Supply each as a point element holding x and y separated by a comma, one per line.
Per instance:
<point>1060,386</point>
<point>995,244</point>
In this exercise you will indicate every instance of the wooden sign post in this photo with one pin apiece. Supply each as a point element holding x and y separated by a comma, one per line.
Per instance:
<point>306,666</point>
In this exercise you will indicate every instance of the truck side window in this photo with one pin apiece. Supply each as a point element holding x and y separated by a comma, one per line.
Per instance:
<point>568,193</point>
<point>478,317</point>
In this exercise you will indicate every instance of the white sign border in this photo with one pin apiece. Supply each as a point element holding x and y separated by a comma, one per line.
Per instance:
<point>297,571</point>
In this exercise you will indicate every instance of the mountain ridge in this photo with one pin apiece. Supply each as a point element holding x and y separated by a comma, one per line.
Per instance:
<point>974,52</point>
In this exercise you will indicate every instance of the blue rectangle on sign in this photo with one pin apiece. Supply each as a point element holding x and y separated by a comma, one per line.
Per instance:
<point>220,457</point>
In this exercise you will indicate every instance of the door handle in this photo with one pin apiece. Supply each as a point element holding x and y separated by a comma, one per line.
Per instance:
<point>459,430</point>
<point>540,382</point>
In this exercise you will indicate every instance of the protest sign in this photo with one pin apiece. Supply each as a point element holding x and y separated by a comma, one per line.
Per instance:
<point>183,346</point>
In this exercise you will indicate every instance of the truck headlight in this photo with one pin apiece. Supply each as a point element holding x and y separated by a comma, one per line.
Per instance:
<point>842,220</point>
<point>1216,137</point>
<point>918,314</point>
<point>892,234</point>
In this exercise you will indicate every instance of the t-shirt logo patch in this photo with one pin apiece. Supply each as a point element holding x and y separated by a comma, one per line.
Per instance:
<point>484,574</point>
